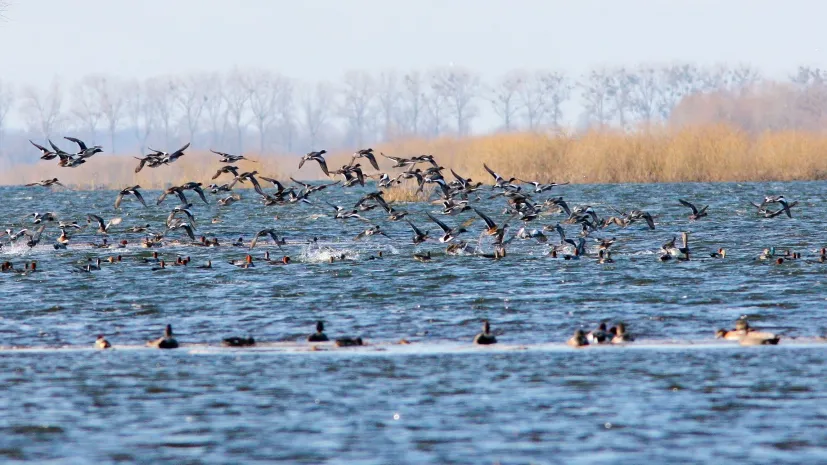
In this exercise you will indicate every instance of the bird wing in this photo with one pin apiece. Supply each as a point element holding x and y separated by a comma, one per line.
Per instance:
<point>80,143</point>
<point>200,193</point>
<point>181,196</point>
<point>442,225</point>
<point>118,200</point>
<point>488,221</point>
<point>40,147</point>
<point>415,229</point>
<point>372,160</point>
<point>181,150</point>
<point>98,219</point>
<point>685,203</point>
<point>491,172</point>
<point>323,165</point>
<point>139,196</point>
<point>188,229</point>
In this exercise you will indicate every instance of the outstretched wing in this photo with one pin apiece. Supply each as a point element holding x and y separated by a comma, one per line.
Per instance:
<point>80,143</point>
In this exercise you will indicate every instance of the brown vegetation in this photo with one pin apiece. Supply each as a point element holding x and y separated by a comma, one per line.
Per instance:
<point>714,153</point>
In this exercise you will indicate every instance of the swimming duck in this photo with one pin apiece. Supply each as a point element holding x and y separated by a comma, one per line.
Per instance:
<point>238,341</point>
<point>599,335</point>
<point>102,343</point>
<point>604,257</point>
<point>747,335</point>
<point>246,263</point>
<point>207,266</point>
<point>161,266</point>
<point>485,337</point>
<point>422,257</point>
<point>741,328</point>
<point>167,341</point>
<point>767,254</point>
<point>721,253</point>
<point>620,335</point>
<point>349,342</point>
<point>578,340</point>
<point>319,335</point>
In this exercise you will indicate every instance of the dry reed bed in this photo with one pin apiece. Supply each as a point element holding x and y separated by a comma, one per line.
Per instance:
<point>698,154</point>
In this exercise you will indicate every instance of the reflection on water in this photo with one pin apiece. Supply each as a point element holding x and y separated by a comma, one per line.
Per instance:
<point>687,404</point>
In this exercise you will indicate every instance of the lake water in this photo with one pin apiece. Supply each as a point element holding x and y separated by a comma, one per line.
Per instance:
<point>676,395</point>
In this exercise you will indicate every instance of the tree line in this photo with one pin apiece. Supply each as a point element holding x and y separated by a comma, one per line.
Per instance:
<point>264,111</point>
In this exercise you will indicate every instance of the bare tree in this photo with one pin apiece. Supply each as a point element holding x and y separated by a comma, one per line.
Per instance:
<point>237,98</point>
<point>459,87</point>
<point>160,92</point>
<point>43,110</point>
<point>7,98</point>
<point>811,101</point>
<point>86,105</point>
<point>533,100</point>
<point>141,113</point>
<point>595,89</point>
<point>111,97</point>
<point>190,97</point>
<point>358,94</point>
<point>316,105</point>
<point>619,90</point>
<point>286,107</point>
<point>676,82</point>
<point>504,97</point>
<point>264,89</point>
<point>556,88</point>
<point>413,102</point>
<point>437,108</point>
<point>215,108</point>
<point>644,93</point>
<point>388,97</point>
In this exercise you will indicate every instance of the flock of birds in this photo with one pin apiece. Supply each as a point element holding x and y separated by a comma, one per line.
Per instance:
<point>457,196</point>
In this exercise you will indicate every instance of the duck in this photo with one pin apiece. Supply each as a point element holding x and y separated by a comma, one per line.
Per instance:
<point>767,254</point>
<point>720,253</point>
<point>167,341</point>
<point>102,343</point>
<point>578,340</point>
<point>153,259</point>
<point>319,335</point>
<point>741,328</point>
<point>236,341</point>
<point>161,266</point>
<point>485,337</point>
<point>746,335</point>
<point>696,214</point>
<point>604,256</point>
<point>599,335</point>
<point>205,266</point>
<point>246,263</point>
<point>422,257</point>
<point>620,335</point>
<point>349,342</point>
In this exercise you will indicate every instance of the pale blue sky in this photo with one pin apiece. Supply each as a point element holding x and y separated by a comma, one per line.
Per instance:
<point>323,38</point>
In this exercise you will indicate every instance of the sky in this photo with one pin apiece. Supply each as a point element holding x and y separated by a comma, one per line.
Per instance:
<point>321,39</point>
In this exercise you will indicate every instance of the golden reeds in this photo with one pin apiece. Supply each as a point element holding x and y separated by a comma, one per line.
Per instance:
<point>694,154</point>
